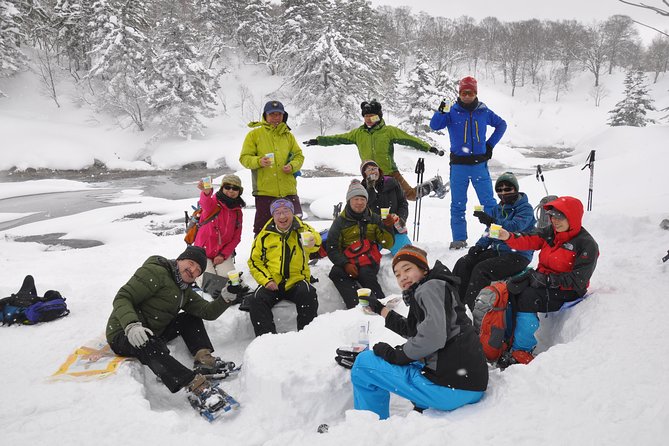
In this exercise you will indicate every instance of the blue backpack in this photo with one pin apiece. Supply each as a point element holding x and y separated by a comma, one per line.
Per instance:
<point>25,307</point>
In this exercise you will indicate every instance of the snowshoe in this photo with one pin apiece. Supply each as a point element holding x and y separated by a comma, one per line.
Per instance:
<point>211,402</point>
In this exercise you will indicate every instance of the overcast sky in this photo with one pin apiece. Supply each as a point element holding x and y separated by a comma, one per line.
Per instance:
<point>585,11</point>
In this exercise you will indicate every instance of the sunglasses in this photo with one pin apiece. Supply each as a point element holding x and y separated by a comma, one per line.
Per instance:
<point>467,93</point>
<point>504,189</point>
<point>231,187</point>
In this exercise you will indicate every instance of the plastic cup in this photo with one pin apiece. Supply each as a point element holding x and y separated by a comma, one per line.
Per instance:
<point>363,296</point>
<point>234,277</point>
<point>307,238</point>
<point>478,208</point>
<point>271,158</point>
<point>384,213</point>
<point>494,230</point>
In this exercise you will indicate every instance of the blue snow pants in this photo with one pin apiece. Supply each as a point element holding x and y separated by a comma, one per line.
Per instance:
<point>373,379</point>
<point>461,175</point>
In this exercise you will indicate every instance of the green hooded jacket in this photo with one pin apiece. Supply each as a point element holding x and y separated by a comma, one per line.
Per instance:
<point>153,298</point>
<point>376,143</point>
<point>272,181</point>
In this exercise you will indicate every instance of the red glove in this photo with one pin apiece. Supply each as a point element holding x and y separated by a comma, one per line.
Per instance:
<point>351,270</point>
<point>389,221</point>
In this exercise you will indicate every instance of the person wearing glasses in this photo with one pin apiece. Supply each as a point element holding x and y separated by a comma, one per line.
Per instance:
<point>467,122</point>
<point>220,236</point>
<point>491,259</point>
<point>274,157</point>
<point>567,259</point>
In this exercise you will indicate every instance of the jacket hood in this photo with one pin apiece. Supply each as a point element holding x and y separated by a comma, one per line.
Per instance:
<point>572,208</point>
<point>280,129</point>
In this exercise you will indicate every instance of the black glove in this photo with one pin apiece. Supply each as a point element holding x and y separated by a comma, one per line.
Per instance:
<point>374,304</point>
<point>484,218</point>
<point>516,285</point>
<point>538,280</point>
<point>488,151</point>
<point>311,142</point>
<point>436,151</point>
<point>391,355</point>
<point>475,250</point>
<point>444,106</point>
<point>346,357</point>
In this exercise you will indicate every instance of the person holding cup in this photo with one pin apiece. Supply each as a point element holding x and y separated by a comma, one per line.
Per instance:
<point>491,259</point>
<point>280,264</point>
<point>274,157</point>
<point>220,236</point>
<point>386,197</point>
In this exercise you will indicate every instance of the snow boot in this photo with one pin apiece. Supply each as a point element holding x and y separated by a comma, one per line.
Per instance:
<point>209,399</point>
<point>458,244</point>
<point>514,357</point>
<point>212,366</point>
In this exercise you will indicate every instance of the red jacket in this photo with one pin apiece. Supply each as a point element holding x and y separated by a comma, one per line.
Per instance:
<point>570,257</point>
<point>221,235</point>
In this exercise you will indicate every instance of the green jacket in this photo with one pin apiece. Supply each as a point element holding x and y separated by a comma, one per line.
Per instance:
<point>376,143</point>
<point>272,181</point>
<point>280,256</point>
<point>346,230</point>
<point>153,298</point>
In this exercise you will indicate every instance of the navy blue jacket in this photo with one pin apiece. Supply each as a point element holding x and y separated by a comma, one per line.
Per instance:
<point>516,217</point>
<point>467,131</point>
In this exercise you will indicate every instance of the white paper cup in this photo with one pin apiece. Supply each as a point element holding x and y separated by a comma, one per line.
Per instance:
<point>494,230</point>
<point>384,213</point>
<point>234,277</point>
<point>307,238</point>
<point>271,158</point>
<point>478,208</point>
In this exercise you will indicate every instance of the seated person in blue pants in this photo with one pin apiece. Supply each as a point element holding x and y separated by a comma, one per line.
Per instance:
<point>386,192</point>
<point>567,258</point>
<point>441,365</point>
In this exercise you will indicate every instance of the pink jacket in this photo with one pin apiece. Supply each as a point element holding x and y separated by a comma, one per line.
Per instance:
<point>221,235</point>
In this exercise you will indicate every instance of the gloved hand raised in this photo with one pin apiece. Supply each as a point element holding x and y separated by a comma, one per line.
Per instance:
<point>436,151</point>
<point>444,106</point>
<point>311,142</point>
<point>484,218</point>
<point>137,334</point>
<point>374,304</point>
<point>389,221</point>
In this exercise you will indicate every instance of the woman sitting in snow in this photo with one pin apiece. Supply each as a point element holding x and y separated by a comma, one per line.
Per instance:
<point>567,258</point>
<point>441,365</point>
<point>220,236</point>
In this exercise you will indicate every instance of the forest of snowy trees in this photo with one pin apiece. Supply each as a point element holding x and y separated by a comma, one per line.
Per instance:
<point>158,63</point>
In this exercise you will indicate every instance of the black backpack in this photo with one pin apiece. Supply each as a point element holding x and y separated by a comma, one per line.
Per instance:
<point>26,307</point>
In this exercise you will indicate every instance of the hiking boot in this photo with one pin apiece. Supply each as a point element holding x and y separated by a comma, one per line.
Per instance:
<point>207,364</point>
<point>458,244</point>
<point>515,357</point>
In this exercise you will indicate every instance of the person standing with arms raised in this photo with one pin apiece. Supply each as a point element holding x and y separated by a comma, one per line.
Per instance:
<point>467,121</point>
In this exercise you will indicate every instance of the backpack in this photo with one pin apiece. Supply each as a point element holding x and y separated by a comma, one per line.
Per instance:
<point>543,219</point>
<point>193,223</point>
<point>491,319</point>
<point>25,307</point>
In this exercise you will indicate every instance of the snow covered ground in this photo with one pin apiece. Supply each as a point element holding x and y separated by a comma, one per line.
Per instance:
<point>600,376</point>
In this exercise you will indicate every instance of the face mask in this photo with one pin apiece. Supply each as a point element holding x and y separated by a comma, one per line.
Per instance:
<point>372,177</point>
<point>508,198</point>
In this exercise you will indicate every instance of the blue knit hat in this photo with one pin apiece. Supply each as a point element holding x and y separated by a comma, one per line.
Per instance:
<point>281,203</point>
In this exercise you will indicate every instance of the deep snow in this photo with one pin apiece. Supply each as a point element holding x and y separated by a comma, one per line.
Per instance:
<point>599,378</point>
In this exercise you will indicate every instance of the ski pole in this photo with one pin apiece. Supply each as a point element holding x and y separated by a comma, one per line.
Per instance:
<point>665,258</point>
<point>420,169</point>
<point>540,175</point>
<point>590,163</point>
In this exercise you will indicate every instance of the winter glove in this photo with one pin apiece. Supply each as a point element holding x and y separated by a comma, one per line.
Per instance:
<point>484,218</point>
<point>351,270</point>
<point>374,304</point>
<point>137,334</point>
<point>311,142</point>
<point>391,355</point>
<point>346,356</point>
<point>488,151</point>
<point>538,280</point>
<point>444,106</point>
<point>389,222</point>
<point>516,285</point>
<point>475,250</point>
<point>436,151</point>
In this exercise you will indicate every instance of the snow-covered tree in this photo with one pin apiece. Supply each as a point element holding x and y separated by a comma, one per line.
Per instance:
<point>261,33</point>
<point>71,20</point>
<point>120,58</point>
<point>11,57</point>
<point>180,90</point>
<point>636,104</point>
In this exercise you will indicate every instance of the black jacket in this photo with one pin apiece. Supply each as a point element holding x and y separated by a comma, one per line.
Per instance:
<point>387,193</point>
<point>446,341</point>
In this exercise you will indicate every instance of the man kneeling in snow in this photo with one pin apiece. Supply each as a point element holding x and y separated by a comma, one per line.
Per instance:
<point>148,313</point>
<point>441,365</point>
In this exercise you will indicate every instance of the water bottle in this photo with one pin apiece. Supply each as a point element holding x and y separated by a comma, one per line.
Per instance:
<point>363,336</point>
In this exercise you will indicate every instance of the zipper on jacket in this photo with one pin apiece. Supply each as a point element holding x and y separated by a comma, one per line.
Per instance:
<point>466,126</point>
<point>478,139</point>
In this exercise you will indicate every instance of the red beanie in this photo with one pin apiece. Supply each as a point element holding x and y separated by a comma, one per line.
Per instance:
<point>468,83</point>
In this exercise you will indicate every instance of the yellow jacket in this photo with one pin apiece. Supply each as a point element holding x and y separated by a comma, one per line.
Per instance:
<point>272,181</point>
<point>280,256</point>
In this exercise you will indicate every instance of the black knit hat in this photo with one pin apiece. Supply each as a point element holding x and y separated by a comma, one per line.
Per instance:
<point>196,254</point>
<point>371,108</point>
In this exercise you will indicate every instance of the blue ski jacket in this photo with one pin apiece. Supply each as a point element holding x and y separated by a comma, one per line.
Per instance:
<point>467,131</point>
<point>516,217</point>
